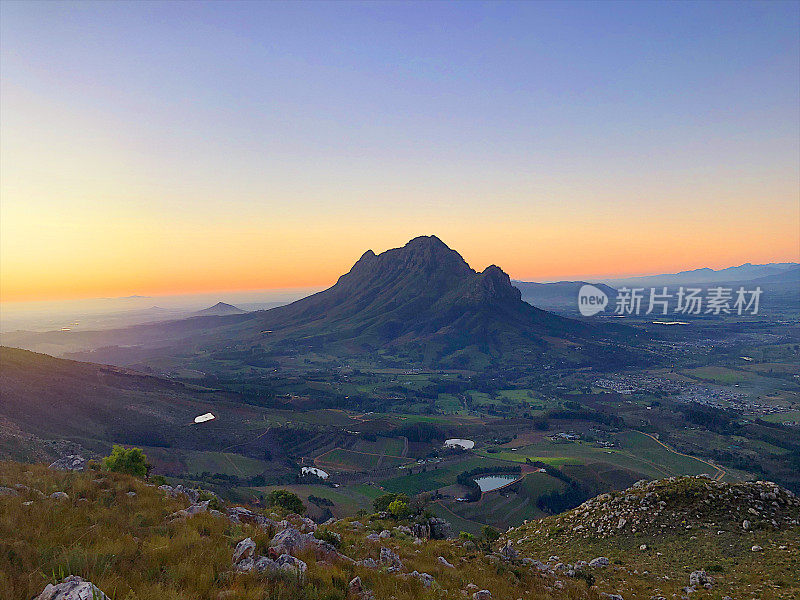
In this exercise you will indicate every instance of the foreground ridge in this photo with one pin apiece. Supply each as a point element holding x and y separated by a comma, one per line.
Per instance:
<point>180,542</point>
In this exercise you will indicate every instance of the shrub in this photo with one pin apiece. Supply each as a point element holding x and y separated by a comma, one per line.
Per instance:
<point>131,461</point>
<point>286,499</point>
<point>214,503</point>
<point>490,533</point>
<point>399,509</point>
<point>326,535</point>
<point>381,503</point>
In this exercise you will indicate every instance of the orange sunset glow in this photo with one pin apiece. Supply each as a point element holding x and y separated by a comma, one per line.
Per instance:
<point>116,188</point>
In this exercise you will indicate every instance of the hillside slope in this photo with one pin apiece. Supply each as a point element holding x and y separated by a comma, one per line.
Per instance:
<point>95,405</point>
<point>137,541</point>
<point>745,536</point>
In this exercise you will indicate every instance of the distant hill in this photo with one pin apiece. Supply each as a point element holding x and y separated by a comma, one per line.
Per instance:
<point>745,272</point>
<point>787,276</point>
<point>560,296</point>
<point>95,405</point>
<point>219,309</point>
<point>419,304</point>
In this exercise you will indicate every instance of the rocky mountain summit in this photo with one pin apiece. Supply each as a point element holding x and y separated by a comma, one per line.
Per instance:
<point>681,503</point>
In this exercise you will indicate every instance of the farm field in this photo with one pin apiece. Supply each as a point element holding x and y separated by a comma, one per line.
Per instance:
<point>723,375</point>
<point>226,463</point>
<point>351,460</point>
<point>382,445</point>
<point>638,453</point>
<point>783,417</point>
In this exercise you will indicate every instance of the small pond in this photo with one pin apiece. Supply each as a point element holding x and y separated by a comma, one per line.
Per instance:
<point>493,482</point>
<point>459,443</point>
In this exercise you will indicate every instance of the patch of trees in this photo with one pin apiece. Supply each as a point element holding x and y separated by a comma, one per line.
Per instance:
<point>420,432</point>
<point>319,501</point>
<point>584,414</point>
<point>713,419</point>
<point>557,501</point>
<point>287,500</point>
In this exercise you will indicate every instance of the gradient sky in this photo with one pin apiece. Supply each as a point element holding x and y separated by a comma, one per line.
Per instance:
<point>152,148</point>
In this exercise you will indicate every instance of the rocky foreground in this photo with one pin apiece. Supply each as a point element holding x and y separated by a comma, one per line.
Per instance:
<point>70,536</point>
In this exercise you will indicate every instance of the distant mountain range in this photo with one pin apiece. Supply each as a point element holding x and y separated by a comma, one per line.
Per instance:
<point>419,304</point>
<point>781,280</point>
<point>745,272</point>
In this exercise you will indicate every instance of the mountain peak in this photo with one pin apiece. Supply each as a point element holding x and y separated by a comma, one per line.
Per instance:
<point>426,241</point>
<point>219,309</point>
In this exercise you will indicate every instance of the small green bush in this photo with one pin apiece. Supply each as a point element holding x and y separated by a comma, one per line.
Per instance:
<point>131,461</point>
<point>399,509</point>
<point>381,503</point>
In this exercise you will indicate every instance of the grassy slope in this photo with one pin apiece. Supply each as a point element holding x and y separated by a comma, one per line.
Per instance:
<point>125,546</point>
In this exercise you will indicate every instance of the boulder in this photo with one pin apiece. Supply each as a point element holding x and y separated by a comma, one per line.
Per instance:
<point>264,564</point>
<point>600,561</point>
<point>355,588</point>
<point>482,595</point>
<point>357,591</point>
<point>701,579</point>
<point>387,557</point>
<point>445,562</point>
<point>7,491</point>
<point>440,528</point>
<point>72,588</point>
<point>59,496</point>
<point>292,565</point>
<point>245,565</point>
<point>426,579</point>
<point>508,552</point>
<point>71,462</point>
<point>291,541</point>
<point>244,549</point>
<point>239,514</point>
<point>191,493</point>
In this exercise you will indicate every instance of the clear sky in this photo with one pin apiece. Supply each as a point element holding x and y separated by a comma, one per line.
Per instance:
<point>152,148</point>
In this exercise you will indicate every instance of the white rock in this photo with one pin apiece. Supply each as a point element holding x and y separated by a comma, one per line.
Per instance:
<point>72,588</point>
